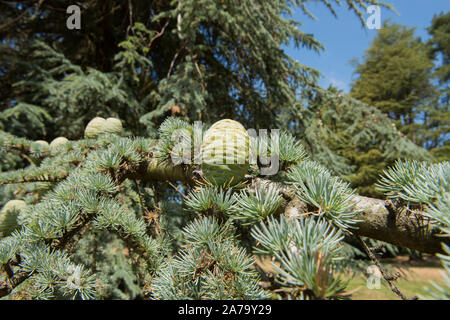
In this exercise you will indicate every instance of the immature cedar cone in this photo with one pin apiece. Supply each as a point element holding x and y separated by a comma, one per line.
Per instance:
<point>98,126</point>
<point>58,142</point>
<point>112,125</point>
<point>41,145</point>
<point>8,216</point>
<point>225,152</point>
<point>94,127</point>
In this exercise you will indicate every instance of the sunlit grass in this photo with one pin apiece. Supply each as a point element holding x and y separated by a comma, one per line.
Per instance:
<point>412,283</point>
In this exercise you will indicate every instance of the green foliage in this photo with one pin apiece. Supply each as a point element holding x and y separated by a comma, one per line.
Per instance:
<point>174,131</point>
<point>112,216</point>
<point>196,56</point>
<point>307,250</point>
<point>211,266</point>
<point>427,185</point>
<point>253,207</point>
<point>328,194</point>
<point>290,150</point>
<point>441,213</point>
<point>211,198</point>
<point>439,117</point>
<point>440,32</point>
<point>417,182</point>
<point>397,86</point>
<point>53,269</point>
<point>111,240</point>
<point>87,198</point>
<point>396,77</point>
<point>353,139</point>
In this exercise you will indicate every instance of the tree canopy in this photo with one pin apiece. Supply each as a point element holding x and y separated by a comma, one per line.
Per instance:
<point>439,117</point>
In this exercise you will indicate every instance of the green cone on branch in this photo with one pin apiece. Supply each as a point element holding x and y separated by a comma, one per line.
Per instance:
<point>57,142</point>
<point>94,127</point>
<point>42,145</point>
<point>8,216</point>
<point>112,125</point>
<point>99,125</point>
<point>225,153</point>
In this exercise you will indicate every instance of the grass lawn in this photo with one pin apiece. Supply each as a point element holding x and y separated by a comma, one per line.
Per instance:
<point>415,277</point>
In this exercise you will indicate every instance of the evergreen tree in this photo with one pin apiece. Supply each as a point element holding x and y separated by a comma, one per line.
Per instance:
<point>395,77</point>
<point>439,118</point>
<point>217,62</point>
<point>366,157</point>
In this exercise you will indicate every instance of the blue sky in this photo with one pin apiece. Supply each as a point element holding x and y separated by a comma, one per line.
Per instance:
<point>344,38</point>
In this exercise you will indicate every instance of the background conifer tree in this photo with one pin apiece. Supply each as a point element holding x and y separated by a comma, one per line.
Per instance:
<point>395,77</point>
<point>438,119</point>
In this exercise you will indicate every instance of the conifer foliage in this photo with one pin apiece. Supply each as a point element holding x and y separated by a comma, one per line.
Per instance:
<point>118,206</point>
<point>199,244</point>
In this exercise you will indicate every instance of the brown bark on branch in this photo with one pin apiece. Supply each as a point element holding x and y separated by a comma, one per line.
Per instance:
<point>380,219</point>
